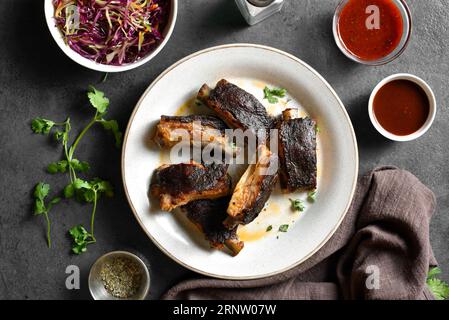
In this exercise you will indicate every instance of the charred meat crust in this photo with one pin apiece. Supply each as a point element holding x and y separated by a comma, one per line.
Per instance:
<point>178,184</point>
<point>208,216</point>
<point>252,191</point>
<point>238,108</point>
<point>211,128</point>
<point>209,121</point>
<point>297,154</point>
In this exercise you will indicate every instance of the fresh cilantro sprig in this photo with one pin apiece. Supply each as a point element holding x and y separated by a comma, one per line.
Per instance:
<point>41,192</point>
<point>90,192</point>
<point>439,288</point>
<point>272,94</point>
<point>82,190</point>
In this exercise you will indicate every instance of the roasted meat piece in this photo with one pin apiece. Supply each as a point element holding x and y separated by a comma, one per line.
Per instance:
<point>238,108</point>
<point>253,189</point>
<point>178,184</point>
<point>208,129</point>
<point>208,215</point>
<point>297,152</point>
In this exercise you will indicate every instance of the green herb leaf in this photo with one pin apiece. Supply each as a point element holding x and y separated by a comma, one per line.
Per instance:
<point>98,100</point>
<point>317,129</point>
<point>433,272</point>
<point>58,135</point>
<point>41,190</point>
<point>69,191</point>
<point>39,207</point>
<point>269,228</point>
<point>311,196</point>
<point>297,205</point>
<point>439,288</point>
<point>54,201</point>
<point>81,239</point>
<point>83,190</point>
<point>272,94</point>
<point>102,186</point>
<point>40,125</point>
<point>86,195</point>
<point>88,191</point>
<point>52,168</point>
<point>79,248</point>
<point>81,166</point>
<point>81,184</point>
<point>283,228</point>
<point>112,126</point>
<point>63,136</point>
<point>79,234</point>
<point>55,167</point>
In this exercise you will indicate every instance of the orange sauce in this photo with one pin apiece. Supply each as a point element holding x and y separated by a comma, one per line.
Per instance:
<point>246,235</point>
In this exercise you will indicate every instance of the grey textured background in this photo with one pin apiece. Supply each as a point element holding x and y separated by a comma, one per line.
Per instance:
<point>36,79</point>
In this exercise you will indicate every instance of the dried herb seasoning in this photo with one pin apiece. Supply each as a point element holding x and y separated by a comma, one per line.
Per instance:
<point>121,277</point>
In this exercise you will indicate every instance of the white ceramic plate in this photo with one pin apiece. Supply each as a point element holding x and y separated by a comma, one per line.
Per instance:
<point>265,253</point>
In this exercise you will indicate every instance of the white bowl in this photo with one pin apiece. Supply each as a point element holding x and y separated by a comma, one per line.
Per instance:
<point>432,107</point>
<point>57,35</point>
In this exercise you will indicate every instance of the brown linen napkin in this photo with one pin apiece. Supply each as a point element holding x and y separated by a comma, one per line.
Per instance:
<point>387,226</point>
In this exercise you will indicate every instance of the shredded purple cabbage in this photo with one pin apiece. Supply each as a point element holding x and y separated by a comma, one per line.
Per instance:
<point>113,32</point>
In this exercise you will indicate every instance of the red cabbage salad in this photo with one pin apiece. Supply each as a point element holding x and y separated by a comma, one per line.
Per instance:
<point>112,32</point>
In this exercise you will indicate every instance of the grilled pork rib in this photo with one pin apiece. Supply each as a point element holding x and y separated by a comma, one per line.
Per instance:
<point>238,108</point>
<point>209,129</point>
<point>253,190</point>
<point>178,184</point>
<point>208,216</point>
<point>297,152</point>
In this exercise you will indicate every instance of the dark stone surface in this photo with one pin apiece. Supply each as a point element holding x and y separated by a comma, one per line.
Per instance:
<point>36,79</point>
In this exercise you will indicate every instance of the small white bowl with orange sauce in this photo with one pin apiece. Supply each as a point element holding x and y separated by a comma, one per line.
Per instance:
<point>402,107</point>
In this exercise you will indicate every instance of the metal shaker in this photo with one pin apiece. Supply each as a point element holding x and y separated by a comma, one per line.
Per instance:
<point>255,11</point>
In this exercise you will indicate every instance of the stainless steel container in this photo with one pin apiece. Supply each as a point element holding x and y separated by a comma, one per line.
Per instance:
<point>255,11</point>
<point>96,286</point>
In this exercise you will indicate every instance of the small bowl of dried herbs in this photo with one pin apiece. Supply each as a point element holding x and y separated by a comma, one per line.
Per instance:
<point>119,275</point>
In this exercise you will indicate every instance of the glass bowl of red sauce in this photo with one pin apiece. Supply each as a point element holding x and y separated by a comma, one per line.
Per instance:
<point>402,107</point>
<point>372,32</point>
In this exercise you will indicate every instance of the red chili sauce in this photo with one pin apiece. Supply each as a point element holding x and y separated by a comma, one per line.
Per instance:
<point>370,44</point>
<point>401,107</point>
